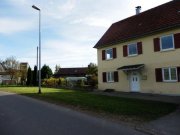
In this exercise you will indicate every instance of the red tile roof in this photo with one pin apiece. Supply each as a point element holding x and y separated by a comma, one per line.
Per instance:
<point>160,18</point>
<point>71,72</point>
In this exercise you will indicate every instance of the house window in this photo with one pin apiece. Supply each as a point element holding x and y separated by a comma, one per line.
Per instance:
<point>132,49</point>
<point>167,42</point>
<point>109,53</point>
<point>169,74</point>
<point>110,76</point>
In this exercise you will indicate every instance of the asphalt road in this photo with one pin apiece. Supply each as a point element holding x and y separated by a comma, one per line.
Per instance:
<point>21,115</point>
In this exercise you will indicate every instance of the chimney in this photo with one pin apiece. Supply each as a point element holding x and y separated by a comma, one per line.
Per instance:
<point>138,9</point>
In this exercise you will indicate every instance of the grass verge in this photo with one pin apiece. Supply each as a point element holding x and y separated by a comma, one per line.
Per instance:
<point>141,109</point>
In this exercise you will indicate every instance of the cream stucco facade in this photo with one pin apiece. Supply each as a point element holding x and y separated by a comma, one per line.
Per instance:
<point>151,61</point>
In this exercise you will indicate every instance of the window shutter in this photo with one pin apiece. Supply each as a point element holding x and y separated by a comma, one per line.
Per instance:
<point>156,44</point>
<point>125,51</point>
<point>139,47</point>
<point>158,73</point>
<point>116,78</point>
<point>104,77</point>
<point>103,55</point>
<point>178,73</point>
<point>177,40</point>
<point>114,53</point>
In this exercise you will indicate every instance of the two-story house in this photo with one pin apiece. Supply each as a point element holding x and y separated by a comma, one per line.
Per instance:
<point>142,53</point>
<point>21,74</point>
<point>4,76</point>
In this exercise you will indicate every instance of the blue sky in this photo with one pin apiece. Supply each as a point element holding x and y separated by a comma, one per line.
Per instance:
<point>70,28</point>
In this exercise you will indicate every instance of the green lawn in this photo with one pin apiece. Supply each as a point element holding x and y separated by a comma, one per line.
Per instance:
<point>141,109</point>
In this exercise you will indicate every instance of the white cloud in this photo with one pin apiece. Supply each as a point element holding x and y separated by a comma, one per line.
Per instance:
<point>100,22</point>
<point>58,9</point>
<point>11,26</point>
<point>68,6</point>
<point>93,21</point>
<point>63,53</point>
<point>67,54</point>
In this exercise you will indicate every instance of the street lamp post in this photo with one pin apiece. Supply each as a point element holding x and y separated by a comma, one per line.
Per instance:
<point>37,65</point>
<point>39,92</point>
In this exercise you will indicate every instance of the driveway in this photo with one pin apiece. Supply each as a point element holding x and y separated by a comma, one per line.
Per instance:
<point>21,115</point>
<point>167,125</point>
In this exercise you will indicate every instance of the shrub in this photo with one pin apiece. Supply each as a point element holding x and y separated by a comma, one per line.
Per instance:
<point>79,83</point>
<point>54,82</point>
<point>92,81</point>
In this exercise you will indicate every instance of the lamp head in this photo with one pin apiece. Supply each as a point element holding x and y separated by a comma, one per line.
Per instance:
<point>33,6</point>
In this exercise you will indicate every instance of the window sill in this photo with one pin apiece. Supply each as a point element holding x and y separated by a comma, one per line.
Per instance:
<point>170,81</point>
<point>109,59</point>
<point>133,55</point>
<point>110,81</point>
<point>166,50</point>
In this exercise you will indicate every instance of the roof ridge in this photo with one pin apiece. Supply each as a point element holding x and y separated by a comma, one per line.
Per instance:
<point>143,12</point>
<point>162,17</point>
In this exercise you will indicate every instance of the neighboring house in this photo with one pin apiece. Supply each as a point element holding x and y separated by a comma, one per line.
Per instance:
<point>72,75</point>
<point>24,66</point>
<point>142,53</point>
<point>4,76</point>
<point>23,73</point>
<point>71,72</point>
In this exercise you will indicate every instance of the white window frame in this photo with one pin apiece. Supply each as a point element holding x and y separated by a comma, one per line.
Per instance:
<point>172,41</point>
<point>169,71</point>
<point>106,54</point>
<point>136,49</point>
<point>111,76</point>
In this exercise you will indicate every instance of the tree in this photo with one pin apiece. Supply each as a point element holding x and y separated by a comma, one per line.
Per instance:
<point>57,67</point>
<point>12,67</point>
<point>29,77</point>
<point>46,72</point>
<point>23,73</point>
<point>92,73</point>
<point>92,69</point>
<point>35,79</point>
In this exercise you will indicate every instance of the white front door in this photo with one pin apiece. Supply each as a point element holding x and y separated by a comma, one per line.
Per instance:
<point>134,82</point>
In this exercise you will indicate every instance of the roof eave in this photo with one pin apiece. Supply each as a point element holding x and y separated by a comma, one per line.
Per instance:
<point>139,36</point>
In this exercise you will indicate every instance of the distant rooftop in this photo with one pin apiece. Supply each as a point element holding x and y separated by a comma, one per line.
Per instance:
<point>71,72</point>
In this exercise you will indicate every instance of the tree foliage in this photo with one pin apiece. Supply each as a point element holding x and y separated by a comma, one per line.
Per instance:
<point>23,75</point>
<point>54,82</point>
<point>29,77</point>
<point>35,75</point>
<point>46,72</point>
<point>92,73</point>
<point>12,67</point>
<point>57,67</point>
<point>92,69</point>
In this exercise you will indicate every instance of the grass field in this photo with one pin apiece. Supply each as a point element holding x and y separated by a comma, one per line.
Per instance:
<point>141,109</point>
